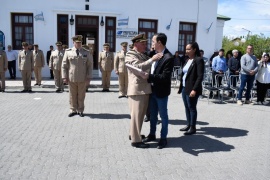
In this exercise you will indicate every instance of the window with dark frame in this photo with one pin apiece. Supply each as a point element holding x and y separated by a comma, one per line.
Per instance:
<point>187,33</point>
<point>22,29</point>
<point>62,28</point>
<point>110,32</point>
<point>149,28</point>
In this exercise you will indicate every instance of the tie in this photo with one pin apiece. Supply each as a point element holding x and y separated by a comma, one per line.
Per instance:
<point>125,53</point>
<point>35,51</point>
<point>25,52</point>
<point>106,54</point>
<point>77,51</point>
<point>58,53</point>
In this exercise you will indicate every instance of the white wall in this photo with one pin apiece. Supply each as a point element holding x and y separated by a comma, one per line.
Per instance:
<point>202,12</point>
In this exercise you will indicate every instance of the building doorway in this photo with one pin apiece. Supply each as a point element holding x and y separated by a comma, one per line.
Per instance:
<point>88,27</point>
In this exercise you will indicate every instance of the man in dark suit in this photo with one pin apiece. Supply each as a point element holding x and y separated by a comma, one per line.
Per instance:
<point>160,80</point>
<point>48,59</point>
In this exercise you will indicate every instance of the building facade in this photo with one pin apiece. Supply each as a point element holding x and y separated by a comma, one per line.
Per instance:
<point>111,21</point>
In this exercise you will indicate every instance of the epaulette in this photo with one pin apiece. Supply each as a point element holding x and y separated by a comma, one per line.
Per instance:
<point>85,49</point>
<point>69,49</point>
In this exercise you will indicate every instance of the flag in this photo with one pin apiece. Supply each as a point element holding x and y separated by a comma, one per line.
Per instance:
<point>39,17</point>
<point>123,22</point>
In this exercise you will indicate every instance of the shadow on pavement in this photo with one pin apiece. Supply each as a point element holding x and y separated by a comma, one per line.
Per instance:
<point>197,144</point>
<point>220,132</point>
<point>108,116</point>
<point>33,92</point>
<point>184,122</point>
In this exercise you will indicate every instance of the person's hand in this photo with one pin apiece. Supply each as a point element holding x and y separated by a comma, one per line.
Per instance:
<point>157,56</point>
<point>192,93</point>
<point>236,72</point>
<point>65,80</point>
<point>220,72</point>
<point>251,72</point>
<point>117,72</point>
<point>144,75</point>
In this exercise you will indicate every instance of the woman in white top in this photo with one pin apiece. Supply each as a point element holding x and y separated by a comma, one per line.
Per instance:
<point>263,79</point>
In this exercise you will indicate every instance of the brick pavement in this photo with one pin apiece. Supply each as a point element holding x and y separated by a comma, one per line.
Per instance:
<point>39,141</point>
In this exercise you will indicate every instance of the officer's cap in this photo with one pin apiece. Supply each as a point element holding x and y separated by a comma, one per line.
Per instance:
<point>64,46</point>
<point>58,43</point>
<point>24,44</point>
<point>77,38</point>
<point>106,45</point>
<point>124,44</point>
<point>139,38</point>
<point>35,45</point>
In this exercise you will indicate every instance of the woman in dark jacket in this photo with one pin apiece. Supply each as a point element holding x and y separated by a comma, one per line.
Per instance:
<point>191,85</point>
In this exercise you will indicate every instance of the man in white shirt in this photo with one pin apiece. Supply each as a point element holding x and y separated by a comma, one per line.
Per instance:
<point>11,56</point>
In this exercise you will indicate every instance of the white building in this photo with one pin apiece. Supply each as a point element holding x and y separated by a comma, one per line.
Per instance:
<point>112,21</point>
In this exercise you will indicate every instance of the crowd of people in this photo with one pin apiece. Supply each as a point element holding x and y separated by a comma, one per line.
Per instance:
<point>144,77</point>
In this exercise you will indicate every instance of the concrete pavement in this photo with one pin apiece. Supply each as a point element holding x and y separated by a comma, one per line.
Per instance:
<point>39,141</point>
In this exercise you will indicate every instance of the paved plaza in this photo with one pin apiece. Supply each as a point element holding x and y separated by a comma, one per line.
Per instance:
<point>39,141</point>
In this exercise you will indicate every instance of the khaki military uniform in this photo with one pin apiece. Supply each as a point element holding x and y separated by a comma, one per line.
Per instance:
<point>138,92</point>
<point>55,64</point>
<point>119,66</point>
<point>38,65</point>
<point>77,69</point>
<point>26,66</point>
<point>105,63</point>
<point>3,68</point>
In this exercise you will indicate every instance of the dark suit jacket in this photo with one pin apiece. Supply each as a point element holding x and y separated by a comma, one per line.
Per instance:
<point>161,78</point>
<point>194,77</point>
<point>48,56</point>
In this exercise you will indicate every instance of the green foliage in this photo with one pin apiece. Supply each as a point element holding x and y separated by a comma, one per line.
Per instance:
<point>260,43</point>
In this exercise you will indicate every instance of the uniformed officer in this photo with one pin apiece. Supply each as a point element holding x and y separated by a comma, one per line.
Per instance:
<point>138,87</point>
<point>121,70</point>
<point>3,68</point>
<point>26,66</point>
<point>64,46</point>
<point>77,68</point>
<point>87,47</point>
<point>105,63</point>
<point>55,64</point>
<point>39,63</point>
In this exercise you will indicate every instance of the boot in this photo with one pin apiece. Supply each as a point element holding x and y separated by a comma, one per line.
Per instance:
<point>186,128</point>
<point>191,131</point>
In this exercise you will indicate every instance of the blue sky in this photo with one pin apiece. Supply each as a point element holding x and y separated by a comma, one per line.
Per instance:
<point>252,15</point>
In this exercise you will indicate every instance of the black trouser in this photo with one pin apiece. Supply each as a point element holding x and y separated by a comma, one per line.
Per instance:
<point>234,79</point>
<point>261,91</point>
<point>214,78</point>
<point>12,68</point>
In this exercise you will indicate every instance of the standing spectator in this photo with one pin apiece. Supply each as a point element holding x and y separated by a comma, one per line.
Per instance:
<point>56,64</point>
<point>219,66</point>
<point>234,68</point>
<point>26,66</point>
<point>263,79</point>
<point>138,88</point>
<point>121,70</point>
<point>249,67</point>
<point>3,68</point>
<point>12,56</point>
<point>176,60</point>
<point>106,66</point>
<point>77,71</point>
<point>191,86</point>
<point>160,80</point>
<point>228,56</point>
<point>38,64</point>
<point>206,62</point>
<point>48,60</point>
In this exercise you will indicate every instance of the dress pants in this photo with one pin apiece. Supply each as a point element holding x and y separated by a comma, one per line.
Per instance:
<point>38,77</point>
<point>12,68</point>
<point>137,105</point>
<point>2,79</point>
<point>58,80</point>
<point>76,96</point>
<point>106,78</point>
<point>26,77</point>
<point>190,108</point>
<point>123,83</point>
<point>261,91</point>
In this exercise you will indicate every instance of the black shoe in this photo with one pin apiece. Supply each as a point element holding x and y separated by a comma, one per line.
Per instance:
<point>146,119</point>
<point>58,90</point>
<point>24,90</point>
<point>140,145</point>
<point>149,138</point>
<point>121,96</point>
<point>72,114</point>
<point>191,131</point>
<point>103,90</point>
<point>81,114</point>
<point>30,90</point>
<point>107,90</point>
<point>126,96</point>
<point>39,85</point>
<point>186,128</point>
<point>36,84</point>
<point>162,143</point>
<point>142,136</point>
